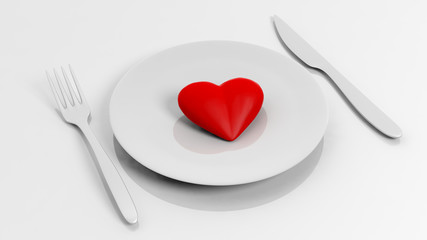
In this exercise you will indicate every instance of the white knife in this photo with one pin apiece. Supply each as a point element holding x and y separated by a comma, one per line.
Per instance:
<point>360,102</point>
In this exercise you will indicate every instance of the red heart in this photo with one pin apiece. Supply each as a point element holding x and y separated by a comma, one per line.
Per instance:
<point>225,110</point>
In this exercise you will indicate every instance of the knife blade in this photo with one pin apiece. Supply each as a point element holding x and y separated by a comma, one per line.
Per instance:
<point>307,54</point>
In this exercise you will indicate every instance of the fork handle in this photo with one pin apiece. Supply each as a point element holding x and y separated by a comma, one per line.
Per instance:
<point>112,177</point>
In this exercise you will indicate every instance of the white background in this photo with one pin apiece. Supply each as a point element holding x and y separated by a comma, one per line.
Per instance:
<point>364,186</point>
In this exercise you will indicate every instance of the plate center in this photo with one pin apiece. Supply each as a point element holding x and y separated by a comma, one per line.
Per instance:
<point>195,139</point>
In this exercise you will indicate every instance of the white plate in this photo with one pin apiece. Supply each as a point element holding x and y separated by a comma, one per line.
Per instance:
<point>149,125</point>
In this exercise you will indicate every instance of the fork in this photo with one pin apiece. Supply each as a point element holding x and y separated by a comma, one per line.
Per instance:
<point>75,110</point>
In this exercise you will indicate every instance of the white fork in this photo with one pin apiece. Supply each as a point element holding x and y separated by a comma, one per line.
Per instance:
<point>75,110</point>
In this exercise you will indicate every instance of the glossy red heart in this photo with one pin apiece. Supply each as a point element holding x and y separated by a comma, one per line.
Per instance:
<point>225,110</point>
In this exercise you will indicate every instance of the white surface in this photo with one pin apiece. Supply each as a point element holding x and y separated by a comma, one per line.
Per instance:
<point>363,187</point>
<point>148,124</point>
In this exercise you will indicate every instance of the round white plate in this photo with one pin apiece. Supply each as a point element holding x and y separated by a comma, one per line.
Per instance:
<point>149,125</point>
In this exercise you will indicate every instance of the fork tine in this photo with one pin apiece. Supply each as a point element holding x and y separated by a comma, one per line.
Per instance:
<point>62,88</point>
<point>76,83</point>
<point>55,93</point>
<point>74,98</point>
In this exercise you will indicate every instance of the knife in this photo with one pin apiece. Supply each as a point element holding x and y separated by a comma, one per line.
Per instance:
<point>302,50</point>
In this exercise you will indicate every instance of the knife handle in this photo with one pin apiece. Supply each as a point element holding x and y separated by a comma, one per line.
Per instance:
<point>371,113</point>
